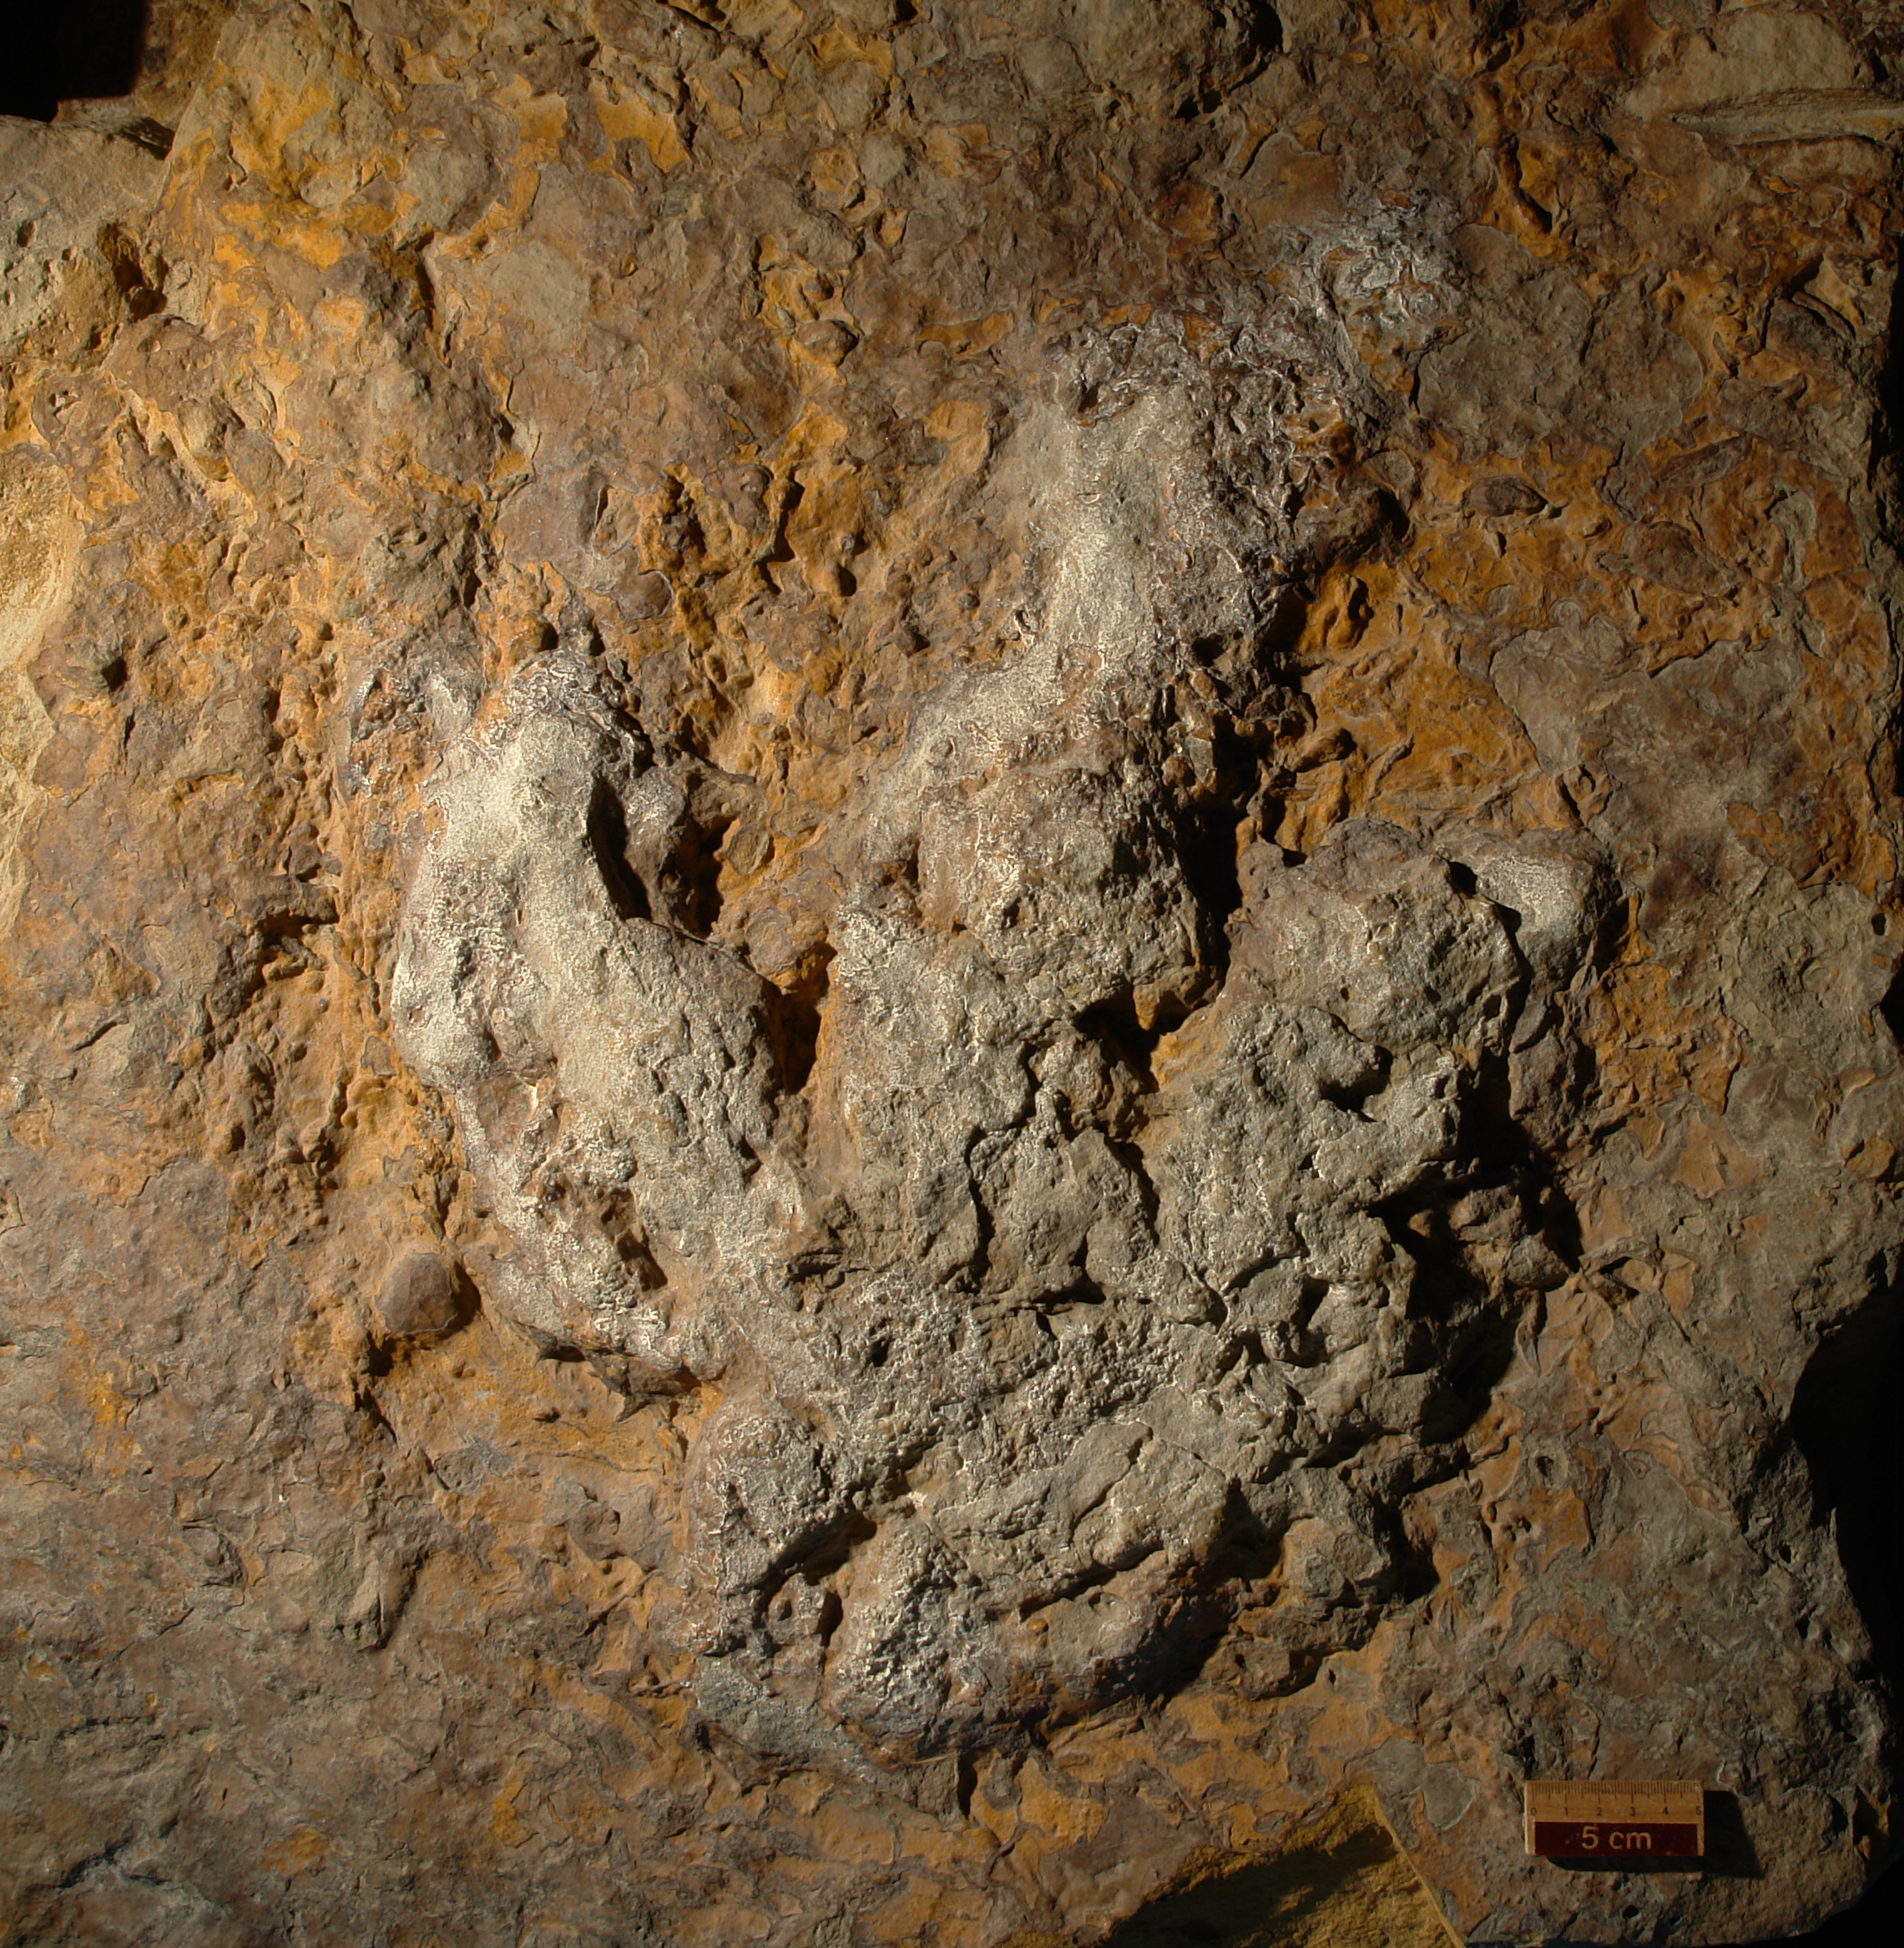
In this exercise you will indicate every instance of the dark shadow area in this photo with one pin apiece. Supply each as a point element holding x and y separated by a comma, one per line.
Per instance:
<point>607,844</point>
<point>70,50</point>
<point>1112,1025</point>
<point>1877,1921</point>
<point>1891,1008</point>
<point>1359,1872</point>
<point>794,1020</point>
<point>1844,1415</point>
<point>1729,1849</point>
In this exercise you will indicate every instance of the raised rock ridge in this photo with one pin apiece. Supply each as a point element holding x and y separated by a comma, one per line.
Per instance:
<point>946,967</point>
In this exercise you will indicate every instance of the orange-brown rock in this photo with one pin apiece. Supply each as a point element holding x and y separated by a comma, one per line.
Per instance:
<point>946,969</point>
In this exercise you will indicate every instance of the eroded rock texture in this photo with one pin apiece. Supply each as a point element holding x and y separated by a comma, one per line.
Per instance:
<point>946,966</point>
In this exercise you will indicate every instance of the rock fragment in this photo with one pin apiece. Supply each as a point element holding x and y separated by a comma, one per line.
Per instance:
<point>418,1297</point>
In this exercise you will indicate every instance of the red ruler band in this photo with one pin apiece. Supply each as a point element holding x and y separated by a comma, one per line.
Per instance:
<point>1623,1839</point>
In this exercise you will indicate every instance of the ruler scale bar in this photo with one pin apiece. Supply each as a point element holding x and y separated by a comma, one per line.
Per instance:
<point>1615,1820</point>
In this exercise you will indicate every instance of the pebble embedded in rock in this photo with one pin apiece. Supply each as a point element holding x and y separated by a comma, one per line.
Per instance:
<point>418,1297</point>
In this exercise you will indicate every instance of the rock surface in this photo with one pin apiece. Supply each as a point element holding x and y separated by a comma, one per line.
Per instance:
<point>945,968</point>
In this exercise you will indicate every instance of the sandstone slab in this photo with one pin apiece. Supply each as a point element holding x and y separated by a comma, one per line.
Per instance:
<point>949,971</point>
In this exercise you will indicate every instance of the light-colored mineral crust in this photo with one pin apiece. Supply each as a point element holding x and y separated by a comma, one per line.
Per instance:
<point>946,969</point>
